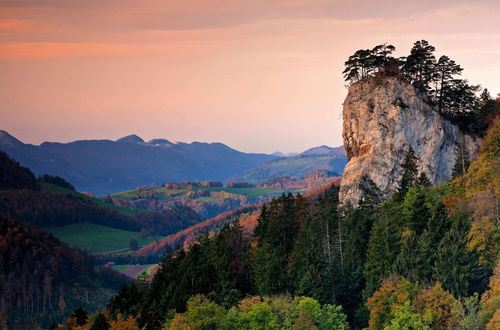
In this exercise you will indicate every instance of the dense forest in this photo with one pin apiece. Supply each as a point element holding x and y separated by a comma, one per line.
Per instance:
<point>424,259</point>
<point>42,280</point>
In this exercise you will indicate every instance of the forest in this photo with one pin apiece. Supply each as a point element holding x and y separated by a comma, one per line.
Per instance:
<point>42,279</point>
<point>426,258</point>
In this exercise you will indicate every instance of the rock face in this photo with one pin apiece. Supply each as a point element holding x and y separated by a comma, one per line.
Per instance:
<point>383,117</point>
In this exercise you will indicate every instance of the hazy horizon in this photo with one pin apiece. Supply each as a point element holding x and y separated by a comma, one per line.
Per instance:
<point>259,76</point>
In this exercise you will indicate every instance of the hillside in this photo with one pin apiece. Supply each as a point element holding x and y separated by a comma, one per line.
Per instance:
<point>103,166</point>
<point>205,200</point>
<point>246,216</point>
<point>51,206</point>
<point>318,158</point>
<point>43,280</point>
<point>14,176</point>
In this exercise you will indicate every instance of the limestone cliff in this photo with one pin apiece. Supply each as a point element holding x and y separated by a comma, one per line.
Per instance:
<point>382,118</point>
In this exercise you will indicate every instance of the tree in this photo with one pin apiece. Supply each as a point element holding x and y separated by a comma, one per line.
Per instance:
<point>80,316</point>
<point>423,180</point>
<point>462,162</point>
<point>460,103</point>
<point>394,291</point>
<point>381,57</point>
<point>415,209</point>
<point>410,172</point>
<point>383,247</point>
<point>201,314</point>
<point>419,65</point>
<point>490,301</point>
<point>445,71</point>
<point>100,323</point>
<point>275,235</point>
<point>443,308</point>
<point>405,318</point>
<point>133,244</point>
<point>358,66</point>
<point>455,265</point>
<point>315,259</point>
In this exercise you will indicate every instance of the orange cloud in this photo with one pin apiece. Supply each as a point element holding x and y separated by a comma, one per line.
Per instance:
<point>45,50</point>
<point>17,25</point>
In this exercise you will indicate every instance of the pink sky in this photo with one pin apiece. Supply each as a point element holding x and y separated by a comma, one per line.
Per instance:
<point>258,75</point>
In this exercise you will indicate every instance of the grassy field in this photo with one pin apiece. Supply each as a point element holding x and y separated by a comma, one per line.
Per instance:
<point>95,238</point>
<point>121,268</point>
<point>165,194</point>
<point>133,271</point>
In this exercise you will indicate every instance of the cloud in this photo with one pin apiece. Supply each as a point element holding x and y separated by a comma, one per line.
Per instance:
<point>47,50</point>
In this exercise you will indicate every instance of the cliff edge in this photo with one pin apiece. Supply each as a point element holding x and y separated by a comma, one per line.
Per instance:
<point>383,117</point>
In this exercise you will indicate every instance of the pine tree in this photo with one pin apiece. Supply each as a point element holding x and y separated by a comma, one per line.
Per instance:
<point>359,65</point>
<point>275,237</point>
<point>383,247</point>
<point>455,264</point>
<point>416,211</point>
<point>445,70</point>
<point>420,64</point>
<point>462,162</point>
<point>315,254</point>
<point>423,180</point>
<point>410,172</point>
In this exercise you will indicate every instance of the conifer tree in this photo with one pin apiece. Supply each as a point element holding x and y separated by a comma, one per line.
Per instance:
<point>410,172</point>
<point>462,162</point>
<point>445,70</point>
<point>455,264</point>
<point>419,65</point>
<point>423,180</point>
<point>383,247</point>
<point>275,236</point>
<point>416,211</point>
<point>359,65</point>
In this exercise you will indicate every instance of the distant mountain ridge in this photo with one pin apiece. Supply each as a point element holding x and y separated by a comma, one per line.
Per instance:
<point>317,158</point>
<point>104,166</point>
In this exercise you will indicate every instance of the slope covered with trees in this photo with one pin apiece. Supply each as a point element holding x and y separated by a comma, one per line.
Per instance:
<point>14,176</point>
<point>42,280</point>
<point>423,259</point>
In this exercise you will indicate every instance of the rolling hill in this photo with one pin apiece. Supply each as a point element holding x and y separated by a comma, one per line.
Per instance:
<point>103,166</point>
<point>246,215</point>
<point>318,158</point>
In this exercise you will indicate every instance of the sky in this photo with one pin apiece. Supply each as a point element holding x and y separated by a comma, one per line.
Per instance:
<point>257,75</point>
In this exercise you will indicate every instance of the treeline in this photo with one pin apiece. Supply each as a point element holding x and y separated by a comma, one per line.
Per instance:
<point>45,209</point>
<point>454,98</point>
<point>15,176</point>
<point>421,259</point>
<point>56,180</point>
<point>42,280</point>
<point>167,222</point>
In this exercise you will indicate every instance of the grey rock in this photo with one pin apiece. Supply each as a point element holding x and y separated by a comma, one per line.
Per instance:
<point>383,117</point>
